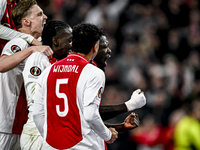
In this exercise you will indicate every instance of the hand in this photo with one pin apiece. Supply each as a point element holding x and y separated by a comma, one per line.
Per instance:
<point>44,49</point>
<point>36,43</point>
<point>137,100</point>
<point>114,136</point>
<point>131,122</point>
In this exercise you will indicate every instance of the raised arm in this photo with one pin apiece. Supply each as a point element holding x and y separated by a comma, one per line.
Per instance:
<point>137,100</point>
<point>110,111</point>
<point>8,62</point>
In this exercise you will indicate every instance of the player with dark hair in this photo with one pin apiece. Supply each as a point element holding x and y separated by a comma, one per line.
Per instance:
<point>137,100</point>
<point>13,110</point>
<point>112,111</point>
<point>53,37</point>
<point>57,35</point>
<point>71,102</point>
<point>109,111</point>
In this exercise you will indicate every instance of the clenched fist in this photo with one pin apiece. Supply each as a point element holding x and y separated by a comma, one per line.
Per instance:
<point>114,135</point>
<point>137,100</point>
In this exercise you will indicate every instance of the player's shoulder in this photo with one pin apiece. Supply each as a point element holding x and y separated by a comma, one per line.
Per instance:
<point>38,55</point>
<point>94,68</point>
<point>18,39</point>
<point>94,71</point>
<point>37,61</point>
<point>45,73</point>
<point>36,58</point>
<point>17,42</point>
<point>15,45</point>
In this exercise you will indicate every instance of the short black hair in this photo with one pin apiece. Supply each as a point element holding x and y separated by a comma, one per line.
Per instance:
<point>52,29</point>
<point>84,37</point>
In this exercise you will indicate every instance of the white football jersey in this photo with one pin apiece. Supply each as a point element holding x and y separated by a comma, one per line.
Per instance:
<point>13,105</point>
<point>62,96</point>
<point>34,66</point>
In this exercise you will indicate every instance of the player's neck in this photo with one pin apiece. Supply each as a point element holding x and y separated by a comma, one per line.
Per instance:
<point>88,57</point>
<point>28,31</point>
<point>36,35</point>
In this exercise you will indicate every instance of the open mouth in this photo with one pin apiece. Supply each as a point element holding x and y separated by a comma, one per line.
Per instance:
<point>107,56</point>
<point>44,23</point>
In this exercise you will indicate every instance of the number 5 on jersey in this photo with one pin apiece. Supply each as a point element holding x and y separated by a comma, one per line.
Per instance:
<point>63,96</point>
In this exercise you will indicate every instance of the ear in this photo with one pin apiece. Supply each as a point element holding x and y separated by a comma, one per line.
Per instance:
<point>55,42</point>
<point>26,22</point>
<point>96,47</point>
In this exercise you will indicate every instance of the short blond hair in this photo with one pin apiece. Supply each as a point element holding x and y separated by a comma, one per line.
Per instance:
<point>21,10</point>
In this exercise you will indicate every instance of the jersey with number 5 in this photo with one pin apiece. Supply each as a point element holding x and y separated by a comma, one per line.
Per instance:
<point>70,85</point>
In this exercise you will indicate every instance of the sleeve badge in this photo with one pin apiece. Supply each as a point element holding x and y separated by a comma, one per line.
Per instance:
<point>15,48</point>
<point>35,71</point>
<point>100,92</point>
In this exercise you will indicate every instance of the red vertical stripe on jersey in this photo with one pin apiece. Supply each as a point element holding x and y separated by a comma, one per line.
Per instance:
<point>105,145</point>
<point>21,113</point>
<point>64,132</point>
<point>7,21</point>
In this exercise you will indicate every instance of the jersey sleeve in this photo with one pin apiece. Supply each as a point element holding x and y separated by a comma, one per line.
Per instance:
<point>39,101</point>
<point>9,34</point>
<point>14,46</point>
<point>92,98</point>
<point>95,85</point>
<point>92,116</point>
<point>3,4</point>
<point>38,108</point>
<point>35,65</point>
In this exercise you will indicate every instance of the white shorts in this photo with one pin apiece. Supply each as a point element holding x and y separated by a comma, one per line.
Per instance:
<point>9,141</point>
<point>31,142</point>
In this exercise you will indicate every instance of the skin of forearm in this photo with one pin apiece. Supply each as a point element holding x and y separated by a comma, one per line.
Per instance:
<point>9,62</point>
<point>111,111</point>
<point>119,127</point>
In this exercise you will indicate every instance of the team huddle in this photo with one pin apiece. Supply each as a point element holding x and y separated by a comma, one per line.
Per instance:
<point>50,90</point>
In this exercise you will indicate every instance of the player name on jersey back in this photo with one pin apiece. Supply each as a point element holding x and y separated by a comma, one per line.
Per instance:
<point>66,68</point>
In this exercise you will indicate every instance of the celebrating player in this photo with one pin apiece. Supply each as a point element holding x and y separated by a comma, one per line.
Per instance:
<point>8,30</point>
<point>137,100</point>
<point>13,109</point>
<point>71,89</point>
<point>57,35</point>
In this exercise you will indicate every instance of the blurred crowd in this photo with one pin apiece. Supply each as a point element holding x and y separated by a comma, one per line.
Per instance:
<point>155,47</point>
